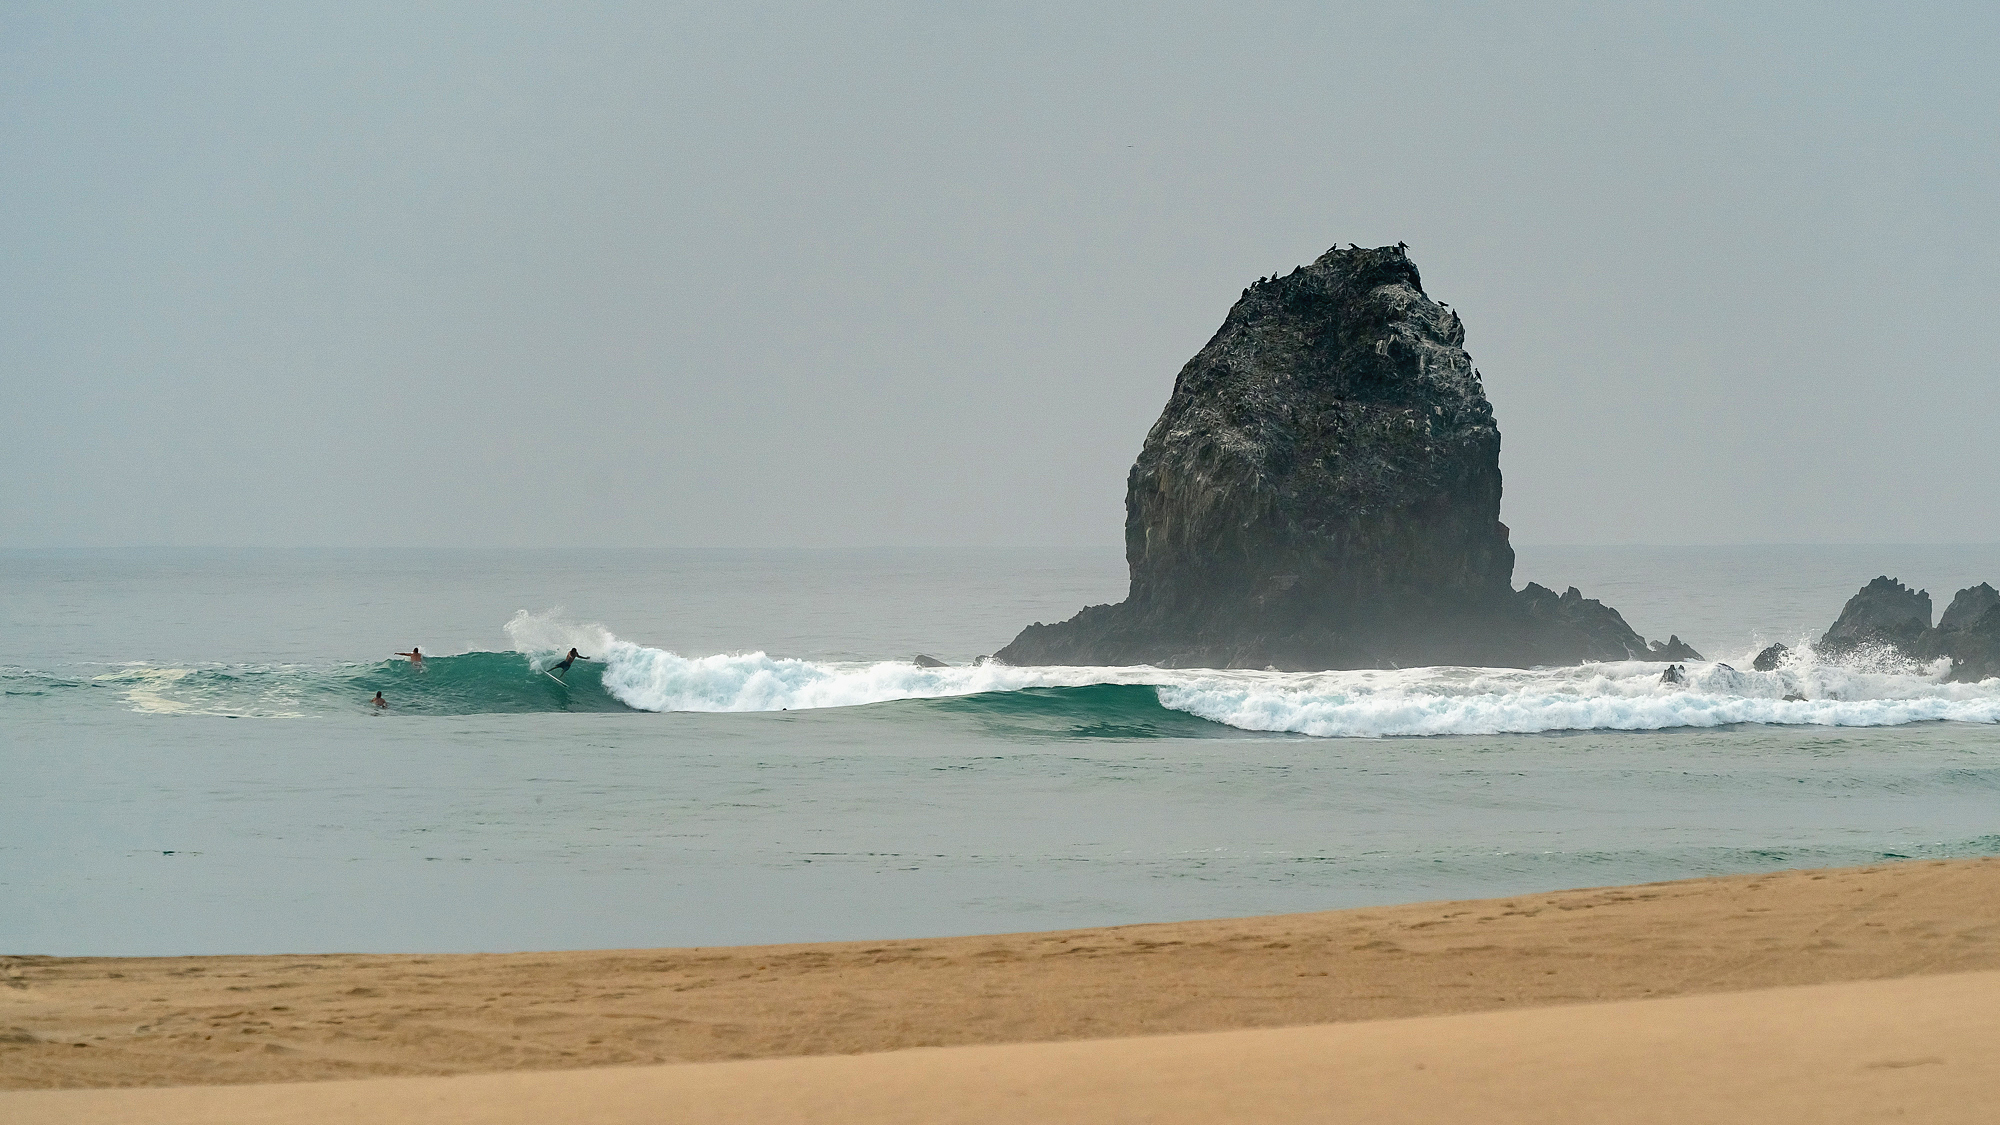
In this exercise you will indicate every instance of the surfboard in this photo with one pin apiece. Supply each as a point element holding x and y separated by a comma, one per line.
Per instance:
<point>556,678</point>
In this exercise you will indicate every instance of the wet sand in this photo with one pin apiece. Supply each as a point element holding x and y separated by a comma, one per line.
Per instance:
<point>98,1022</point>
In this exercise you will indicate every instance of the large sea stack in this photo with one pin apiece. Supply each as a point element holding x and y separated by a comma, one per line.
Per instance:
<point>1323,491</point>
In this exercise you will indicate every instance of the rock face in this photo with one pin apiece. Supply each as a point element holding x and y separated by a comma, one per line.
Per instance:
<point>1969,607</point>
<point>1969,634</point>
<point>1770,659</point>
<point>1885,612</point>
<point>1323,491</point>
<point>1888,614</point>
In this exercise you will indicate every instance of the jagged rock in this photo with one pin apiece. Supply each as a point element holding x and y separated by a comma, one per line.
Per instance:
<point>1592,630</point>
<point>1975,649</point>
<point>922,661</point>
<point>1672,649</point>
<point>1885,612</point>
<point>1323,491</point>
<point>1968,633</point>
<point>1770,658</point>
<point>1968,606</point>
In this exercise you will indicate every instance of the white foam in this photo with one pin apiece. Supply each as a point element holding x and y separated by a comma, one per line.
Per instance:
<point>651,679</point>
<point>1619,696</point>
<point>1869,691</point>
<point>165,691</point>
<point>546,637</point>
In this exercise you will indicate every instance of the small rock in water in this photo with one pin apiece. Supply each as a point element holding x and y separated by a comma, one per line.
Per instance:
<point>1795,698</point>
<point>922,661</point>
<point>1672,649</point>
<point>1770,658</point>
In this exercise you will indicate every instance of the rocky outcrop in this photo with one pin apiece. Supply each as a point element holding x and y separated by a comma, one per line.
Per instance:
<point>1968,634</point>
<point>1573,623</point>
<point>1770,659</point>
<point>1323,491</point>
<point>1968,608</point>
<point>1886,614</point>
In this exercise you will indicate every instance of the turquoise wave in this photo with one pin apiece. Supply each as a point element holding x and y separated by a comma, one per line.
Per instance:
<point>490,683</point>
<point>476,683</point>
<point>484,683</point>
<point>1111,711</point>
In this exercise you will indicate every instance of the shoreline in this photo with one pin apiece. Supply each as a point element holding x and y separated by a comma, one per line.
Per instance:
<point>231,1020</point>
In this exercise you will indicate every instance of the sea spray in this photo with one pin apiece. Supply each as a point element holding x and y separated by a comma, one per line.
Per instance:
<point>545,637</point>
<point>1858,690</point>
<point>1624,695</point>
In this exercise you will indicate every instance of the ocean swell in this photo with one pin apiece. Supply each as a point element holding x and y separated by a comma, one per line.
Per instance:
<point>1866,690</point>
<point>1626,695</point>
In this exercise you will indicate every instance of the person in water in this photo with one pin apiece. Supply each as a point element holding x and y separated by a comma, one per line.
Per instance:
<point>572,658</point>
<point>380,703</point>
<point>416,656</point>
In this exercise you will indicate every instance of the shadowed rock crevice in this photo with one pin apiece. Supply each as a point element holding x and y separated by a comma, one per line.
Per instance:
<point>1323,491</point>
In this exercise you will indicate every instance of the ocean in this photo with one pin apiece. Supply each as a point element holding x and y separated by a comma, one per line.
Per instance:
<point>189,763</point>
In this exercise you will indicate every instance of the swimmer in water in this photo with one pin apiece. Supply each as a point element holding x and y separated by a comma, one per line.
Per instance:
<point>415,656</point>
<point>572,658</point>
<point>380,703</point>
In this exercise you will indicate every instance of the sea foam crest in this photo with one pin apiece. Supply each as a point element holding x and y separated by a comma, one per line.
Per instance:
<point>1617,696</point>
<point>1626,695</point>
<point>545,637</point>
<point>652,679</point>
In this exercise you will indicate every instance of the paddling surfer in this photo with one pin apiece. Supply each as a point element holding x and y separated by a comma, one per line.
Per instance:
<point>380,703</point>
<point>572,658</point>
<point>416,656</point>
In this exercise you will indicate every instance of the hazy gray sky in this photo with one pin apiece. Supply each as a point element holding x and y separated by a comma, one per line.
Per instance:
<point>489,274</point>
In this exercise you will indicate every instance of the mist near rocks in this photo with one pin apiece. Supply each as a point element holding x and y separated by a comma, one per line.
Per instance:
<point>801,275</point>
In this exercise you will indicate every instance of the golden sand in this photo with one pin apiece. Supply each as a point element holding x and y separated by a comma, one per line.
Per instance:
<point>1911,1049</point>
<point>81,1022</point>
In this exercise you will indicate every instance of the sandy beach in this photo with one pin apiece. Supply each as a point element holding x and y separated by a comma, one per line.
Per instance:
<point>1913,1049</point>
<point>207,1021</point>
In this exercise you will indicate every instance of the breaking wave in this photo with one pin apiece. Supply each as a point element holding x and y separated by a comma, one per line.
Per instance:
<point>1065,702</point>
<point>1626,695</point>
